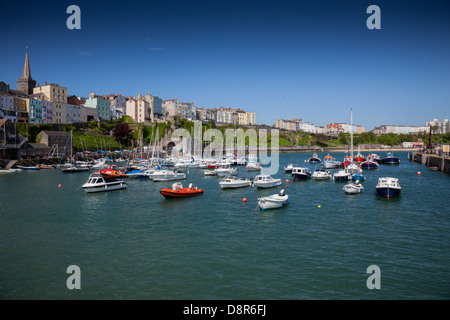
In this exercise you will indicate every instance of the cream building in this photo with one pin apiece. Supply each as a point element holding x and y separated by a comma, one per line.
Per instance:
<point>58,95</point>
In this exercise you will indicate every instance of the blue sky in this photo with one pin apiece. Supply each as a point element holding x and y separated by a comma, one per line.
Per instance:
<point>306,59</point>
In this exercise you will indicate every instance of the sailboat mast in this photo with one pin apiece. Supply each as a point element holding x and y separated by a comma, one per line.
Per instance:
<point>351,131</point>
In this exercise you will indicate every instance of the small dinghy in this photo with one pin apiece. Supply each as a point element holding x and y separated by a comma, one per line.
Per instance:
<point>178,191</point>
<point>353,188</point>
<point>274,201</point>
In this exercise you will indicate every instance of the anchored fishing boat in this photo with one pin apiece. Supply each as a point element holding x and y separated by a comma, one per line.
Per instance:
<point>390,159</point>
<point>178,191</point>
<point>97,183</point>
<point>167,175</point>
<point>329,162</point>
<point>314,159</point>
<point>266,181</point>
<point>274,201</point>
<point>232,182</point>
<point>225,170</point>
<point>300,173</point>
<point>321,174</point>
<point>353,188</point>
<point>388,187</point>
<point>288,168</point>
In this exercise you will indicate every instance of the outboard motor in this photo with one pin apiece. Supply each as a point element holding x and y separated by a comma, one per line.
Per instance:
<point>282,193</point>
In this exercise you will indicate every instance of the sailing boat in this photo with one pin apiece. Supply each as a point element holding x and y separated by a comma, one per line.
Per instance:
<point>352,170</point>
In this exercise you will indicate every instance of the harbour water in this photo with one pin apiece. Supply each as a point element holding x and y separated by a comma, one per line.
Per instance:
<point>134,244</point>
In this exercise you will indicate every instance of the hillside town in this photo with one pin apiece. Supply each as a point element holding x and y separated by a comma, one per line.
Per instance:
<point>50,103</point>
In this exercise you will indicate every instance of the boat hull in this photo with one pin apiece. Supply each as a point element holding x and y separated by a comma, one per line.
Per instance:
<point>105,187</point>
<point>235,186</point>
<point>300,176</point>
<point>170,194</point>
<point>265,185</point>
<point>267,203</point>
<point>388,192</point>
<point>392,160</point>
<point>369,165</point>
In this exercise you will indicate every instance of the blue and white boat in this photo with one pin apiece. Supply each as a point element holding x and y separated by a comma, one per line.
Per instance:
<point>358,177</point>
<point>299,173</point>
<point>370,163</point>
<point>388,187</point>
<point>390,159</point>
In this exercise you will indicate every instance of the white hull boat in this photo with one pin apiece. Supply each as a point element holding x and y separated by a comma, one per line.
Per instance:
<point>321,174</point>
<point>342,175</point>
<point>274,201</point>
<point>9,170</point>
<point>233,183</point>
<point>210,172</point>
<point>96,183</point>
<point>353,188</point>
<point>266,181</point>
<point>225,170</point>
<point>166,175</point>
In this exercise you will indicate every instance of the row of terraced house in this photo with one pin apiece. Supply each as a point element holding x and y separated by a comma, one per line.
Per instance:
<point>51,103</point>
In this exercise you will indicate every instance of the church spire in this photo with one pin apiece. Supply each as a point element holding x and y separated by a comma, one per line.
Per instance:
<point>26,67</point>
<point>26,83</point>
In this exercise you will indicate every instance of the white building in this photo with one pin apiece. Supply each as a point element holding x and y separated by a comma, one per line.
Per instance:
<point>442,126</point>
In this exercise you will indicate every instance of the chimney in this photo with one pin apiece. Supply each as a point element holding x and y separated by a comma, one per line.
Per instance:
<point>45,83</point>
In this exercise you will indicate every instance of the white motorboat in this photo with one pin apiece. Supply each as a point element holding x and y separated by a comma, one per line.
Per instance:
<point>167,175</point>
<point>353,188</point>
<point>274,201</point>
<point>225,170</point>
<point>321,174</point>
<point>232,182</point>
<point>266,181</point>
<point>253,166</point>
<point>388,187</point>
<point>342,175</point>
<point>210,172</point>
<point>288,168</point>
<point>97,183</point>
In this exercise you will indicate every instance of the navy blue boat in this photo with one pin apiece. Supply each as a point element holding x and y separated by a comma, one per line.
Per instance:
<point>388,187</point>
<point>300,173</point>
<point>390,159</point>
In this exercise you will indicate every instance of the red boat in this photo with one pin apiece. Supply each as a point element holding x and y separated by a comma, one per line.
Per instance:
<point>113,172</point>
<point>359,158</point>
<point>213,166</point>
<point>178,191</point>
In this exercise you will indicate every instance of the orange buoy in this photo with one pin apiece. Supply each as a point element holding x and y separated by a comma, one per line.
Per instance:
<point>287,180</point>
<point>244,200</point>
<point>419,173</point>
<point>198,172</point>
<point>59,185</point>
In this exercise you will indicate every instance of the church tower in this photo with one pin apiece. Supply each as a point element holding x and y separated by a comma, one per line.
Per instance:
<point>26,83</point>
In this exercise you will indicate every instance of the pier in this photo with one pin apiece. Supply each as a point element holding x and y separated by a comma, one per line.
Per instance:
<point>433,161</point>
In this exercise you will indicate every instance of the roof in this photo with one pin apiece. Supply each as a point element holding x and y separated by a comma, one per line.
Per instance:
<point>38,145</point>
